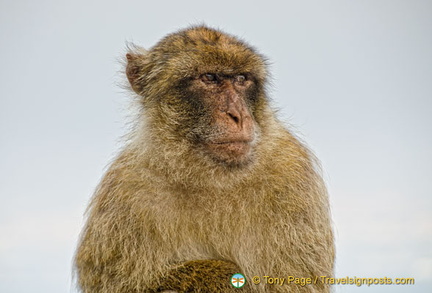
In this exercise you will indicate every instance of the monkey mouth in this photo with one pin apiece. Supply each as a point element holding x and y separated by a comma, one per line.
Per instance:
<point>231,144</point>
<point>230,151</point>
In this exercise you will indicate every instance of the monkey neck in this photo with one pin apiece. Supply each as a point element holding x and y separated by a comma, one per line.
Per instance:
<point>179,165</point>
<point>185,168</point>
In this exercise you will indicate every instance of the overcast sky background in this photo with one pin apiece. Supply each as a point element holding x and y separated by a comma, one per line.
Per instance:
<point>353,78</point>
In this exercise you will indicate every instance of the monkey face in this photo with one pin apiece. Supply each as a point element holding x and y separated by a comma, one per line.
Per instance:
<point>223,124</point>
<point>204,87</point>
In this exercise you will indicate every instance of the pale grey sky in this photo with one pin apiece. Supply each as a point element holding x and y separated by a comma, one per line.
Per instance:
<point>353,78</point>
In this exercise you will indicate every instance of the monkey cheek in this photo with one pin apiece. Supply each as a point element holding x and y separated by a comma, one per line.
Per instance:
<point>232,153</point>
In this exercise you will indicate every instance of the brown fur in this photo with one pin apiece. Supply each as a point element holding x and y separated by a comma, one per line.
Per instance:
<point>167,216</point>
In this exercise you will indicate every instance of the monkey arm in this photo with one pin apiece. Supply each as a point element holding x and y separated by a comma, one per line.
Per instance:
<point>200,276</point>
<point>108,253</point>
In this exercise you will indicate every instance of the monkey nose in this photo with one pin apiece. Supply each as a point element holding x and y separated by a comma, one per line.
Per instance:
<point>235,116</point>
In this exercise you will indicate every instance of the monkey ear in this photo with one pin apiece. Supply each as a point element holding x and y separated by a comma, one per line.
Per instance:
<point>135,70</point>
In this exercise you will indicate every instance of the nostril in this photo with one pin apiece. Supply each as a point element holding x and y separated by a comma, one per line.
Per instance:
<point>234,117</point>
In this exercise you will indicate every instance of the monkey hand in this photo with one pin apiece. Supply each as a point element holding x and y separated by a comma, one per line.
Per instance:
<point>201,276</point>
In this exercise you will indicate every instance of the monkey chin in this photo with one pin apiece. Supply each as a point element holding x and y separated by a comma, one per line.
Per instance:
<point>233,154</point>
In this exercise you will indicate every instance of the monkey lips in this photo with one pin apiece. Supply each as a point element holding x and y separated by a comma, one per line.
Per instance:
<point>231,152</point>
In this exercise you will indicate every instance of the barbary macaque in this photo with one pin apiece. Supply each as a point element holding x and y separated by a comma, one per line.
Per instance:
<point>209,184</point>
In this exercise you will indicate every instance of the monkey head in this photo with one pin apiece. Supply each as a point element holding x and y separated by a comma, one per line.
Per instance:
<point>205,88</point>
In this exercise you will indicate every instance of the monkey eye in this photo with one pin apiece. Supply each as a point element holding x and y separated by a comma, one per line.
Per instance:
<point>209,78</point>
<point>240,79</point>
